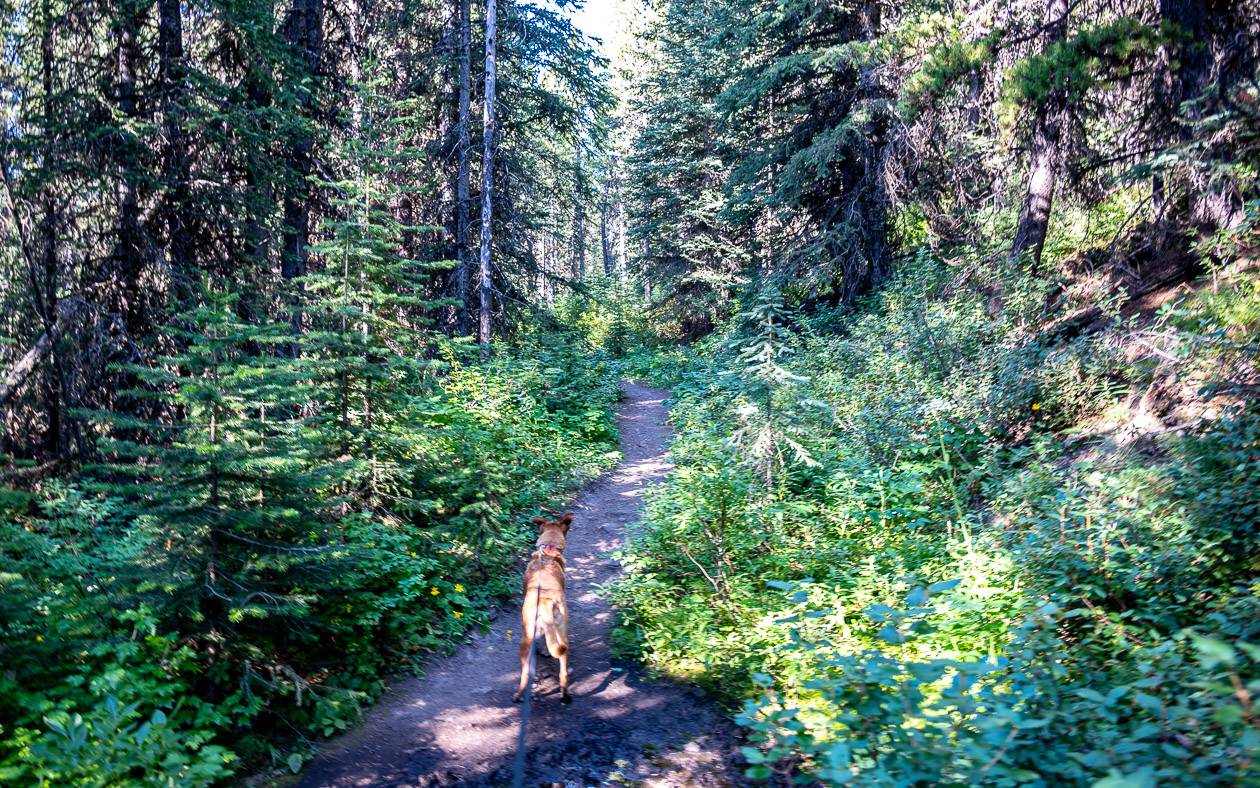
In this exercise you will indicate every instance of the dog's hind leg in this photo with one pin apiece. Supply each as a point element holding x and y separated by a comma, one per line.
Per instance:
<point>520,691</point>
<point>547,641</point>
<point>558,644</point>
<point>564,676</point>
<point>527,643</point>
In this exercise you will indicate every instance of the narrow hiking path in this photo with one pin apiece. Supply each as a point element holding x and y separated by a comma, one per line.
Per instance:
<point>457,725</point>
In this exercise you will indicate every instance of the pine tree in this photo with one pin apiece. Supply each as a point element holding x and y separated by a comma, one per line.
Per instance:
<point>769,410</point>
<point>222,496</point>
<point>368,307</point>
<point>678,173</point>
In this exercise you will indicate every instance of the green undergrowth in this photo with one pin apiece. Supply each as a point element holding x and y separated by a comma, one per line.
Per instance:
<point>217,601</point>
<point>920,544</point>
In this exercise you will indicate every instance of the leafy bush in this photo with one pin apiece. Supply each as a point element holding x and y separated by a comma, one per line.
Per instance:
<point>957,581</point>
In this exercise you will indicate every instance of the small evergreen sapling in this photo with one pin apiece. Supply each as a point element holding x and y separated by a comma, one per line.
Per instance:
<point>769,403</point>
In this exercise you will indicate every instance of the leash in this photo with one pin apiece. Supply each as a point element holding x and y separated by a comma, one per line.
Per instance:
<point>518,765</point>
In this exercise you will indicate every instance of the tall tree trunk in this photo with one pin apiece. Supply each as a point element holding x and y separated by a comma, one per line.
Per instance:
<point>605,242</point>
<point>305,35</point>
<point>128,263</point>
<point>605,248</point>
<point>446,104</point>
<point>548,287</point>
<point>260,186</point>
<point>579,220</point>
<point>461,170</point>
<point>978,27</point>
<point>645,270</point>
<point>175,165</point>
<point>489,130</point>
<point>45,291</point>
<point>1034,215</point>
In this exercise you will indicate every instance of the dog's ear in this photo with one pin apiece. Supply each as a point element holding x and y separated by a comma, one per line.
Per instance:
<point>566,521</point>
<point>539,521</point>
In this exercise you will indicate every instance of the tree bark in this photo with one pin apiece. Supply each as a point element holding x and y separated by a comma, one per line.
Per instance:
<point>605,249</point>
<point>461,171</point>
<point>1034,215</point>
<point>176,169</point>
<point>579,220</point>
<point>127,263</point>
<point>259,183</point>
<point>605,242</point>
<point>45,292</point>
<point>445,97</point>
<point>645,270</point>
<point>489,130</point>
<point>12,380</point>
<point>305,35</point>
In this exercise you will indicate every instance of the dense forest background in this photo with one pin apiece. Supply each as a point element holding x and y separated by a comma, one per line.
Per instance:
<point>308,305</point>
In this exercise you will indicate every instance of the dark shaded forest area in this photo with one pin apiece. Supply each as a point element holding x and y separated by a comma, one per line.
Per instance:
<point>309,305</point>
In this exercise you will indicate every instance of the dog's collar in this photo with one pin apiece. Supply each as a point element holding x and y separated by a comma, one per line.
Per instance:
<point>550,550</point>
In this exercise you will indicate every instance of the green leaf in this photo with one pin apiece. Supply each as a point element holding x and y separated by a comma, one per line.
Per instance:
<point>889,634</point>
<point>1213,652</point>
<point>753,755</point>
<point>1149,702</point>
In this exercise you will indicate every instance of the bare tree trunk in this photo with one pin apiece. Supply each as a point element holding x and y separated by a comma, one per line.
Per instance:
<point>1034,216</point>
<point>305,35</point>
<point>605,243</point>
<point>127,260</point>
<point>605,248</point>
<point>548,287</point>
<point>259,183</point>
<point>645,271</point>
<point>46,291</point>
<point>175,166</point>
<point>461,172</point>
<point>446,100</point>
<point>975,12</point>
<point>46,297</point>
<point>579,221</point>
<point>487,176</point>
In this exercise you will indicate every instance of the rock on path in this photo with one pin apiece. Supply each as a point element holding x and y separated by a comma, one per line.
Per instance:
<point>457,725</point>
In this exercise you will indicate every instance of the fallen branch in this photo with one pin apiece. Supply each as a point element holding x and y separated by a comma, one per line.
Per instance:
<point>16,376</point>
<point>11,381</point>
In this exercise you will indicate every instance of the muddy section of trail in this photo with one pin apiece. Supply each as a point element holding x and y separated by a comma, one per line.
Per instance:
<point>457,724</point>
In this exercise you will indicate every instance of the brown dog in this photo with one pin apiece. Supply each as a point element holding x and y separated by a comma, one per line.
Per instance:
<point>544,601</point>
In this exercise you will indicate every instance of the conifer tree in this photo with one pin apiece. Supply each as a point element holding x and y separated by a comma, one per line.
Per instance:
<point>770,424</point>
<point>223,503</point>
<point>368,305</point>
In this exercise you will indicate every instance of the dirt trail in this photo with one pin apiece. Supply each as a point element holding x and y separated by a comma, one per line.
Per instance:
<point>458,726</point>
